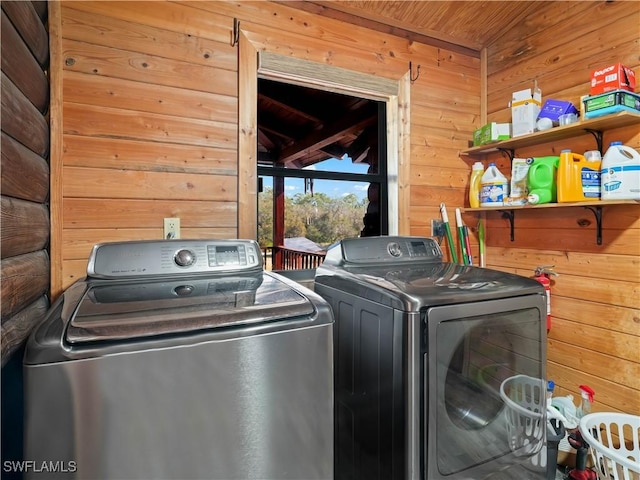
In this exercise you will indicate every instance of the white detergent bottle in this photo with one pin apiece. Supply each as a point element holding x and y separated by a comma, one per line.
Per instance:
<point>494,187</point>
<point>620,173</point>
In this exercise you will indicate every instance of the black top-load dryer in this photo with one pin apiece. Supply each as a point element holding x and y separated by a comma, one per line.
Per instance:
<point>439,367</point>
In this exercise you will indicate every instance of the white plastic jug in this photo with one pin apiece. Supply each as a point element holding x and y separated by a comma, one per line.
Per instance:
<point>620,173</point>
<point>494,187</point>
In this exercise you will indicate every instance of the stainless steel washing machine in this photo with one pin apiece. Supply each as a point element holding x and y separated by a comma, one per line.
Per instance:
<point>181,359</point>
<point>439,367</point>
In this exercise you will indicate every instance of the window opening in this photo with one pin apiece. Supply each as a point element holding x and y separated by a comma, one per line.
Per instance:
<point>322,171</point>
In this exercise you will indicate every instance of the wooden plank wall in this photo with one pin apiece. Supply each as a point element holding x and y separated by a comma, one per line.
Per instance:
<point>150,113</point>
<point>150,131</point>
<point>595,336</point>
<point>25,171</point>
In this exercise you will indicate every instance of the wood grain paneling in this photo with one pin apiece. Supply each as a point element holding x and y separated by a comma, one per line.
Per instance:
<point>610,396</point>
<point>118,184</point>
<point>120,154</point>
<point>443,176</point>
<point>588,312</point>
<point>587,265</point>
<point>557,68</point>
<point>595,329</point>
<point>171,16</point>
<point>110,62</point>
<point>603,342</point>
<point>247,136</point>
<point>137,37</point>
<point>151,131</point>
<point>93,121</point>
<point>126,94</point>
<point>113,213</point>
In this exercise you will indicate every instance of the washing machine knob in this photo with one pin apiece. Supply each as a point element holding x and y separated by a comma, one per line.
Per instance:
<point>183,290</point>
<point>394,249</point>
<point>184,258</point>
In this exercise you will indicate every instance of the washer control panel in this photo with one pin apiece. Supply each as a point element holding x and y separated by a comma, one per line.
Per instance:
<point>391,249</point>
<point>173,257</point>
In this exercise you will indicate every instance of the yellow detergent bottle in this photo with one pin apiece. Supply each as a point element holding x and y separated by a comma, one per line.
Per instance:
<point>578,178</point>
<point>474,184</point>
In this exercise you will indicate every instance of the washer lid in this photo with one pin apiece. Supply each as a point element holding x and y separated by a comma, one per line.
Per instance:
<point>415,286</point>
<point>125,310</point>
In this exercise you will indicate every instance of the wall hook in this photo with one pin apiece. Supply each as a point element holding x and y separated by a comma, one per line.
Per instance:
<point>411,77</point>
<point>236,32</point>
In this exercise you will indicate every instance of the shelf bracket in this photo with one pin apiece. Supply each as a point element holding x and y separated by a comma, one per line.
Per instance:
<point>511,216</point>
<point>597,212</point>
<point>509,152</point>
<point>598,135</point>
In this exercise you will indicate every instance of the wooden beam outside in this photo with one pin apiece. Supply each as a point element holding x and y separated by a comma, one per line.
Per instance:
<point>349,124</point>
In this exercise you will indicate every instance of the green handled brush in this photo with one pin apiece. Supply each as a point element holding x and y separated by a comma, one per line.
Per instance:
<point>447,229</point>
<point>481,240</point>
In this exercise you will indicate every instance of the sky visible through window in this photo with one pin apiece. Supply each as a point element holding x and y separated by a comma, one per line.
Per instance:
<point>332,188</point>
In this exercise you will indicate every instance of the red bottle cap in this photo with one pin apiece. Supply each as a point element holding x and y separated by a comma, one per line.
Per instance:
<point>589,391</point>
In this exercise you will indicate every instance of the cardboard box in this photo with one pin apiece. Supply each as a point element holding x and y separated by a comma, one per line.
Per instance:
<point>491,132</point>
<point>525,107</point>
<point>613,77</point>
<point>611,102</point>
<point>552,109</point>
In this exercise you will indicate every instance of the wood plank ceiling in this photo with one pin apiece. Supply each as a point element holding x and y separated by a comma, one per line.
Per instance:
<point>298,127</point>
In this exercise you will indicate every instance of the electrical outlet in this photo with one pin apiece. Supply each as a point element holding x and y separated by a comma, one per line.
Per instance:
<point>437,228</point>
<point>171,228</point>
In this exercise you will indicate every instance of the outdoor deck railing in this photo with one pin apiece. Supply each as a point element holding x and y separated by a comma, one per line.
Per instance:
<point>283,258</point>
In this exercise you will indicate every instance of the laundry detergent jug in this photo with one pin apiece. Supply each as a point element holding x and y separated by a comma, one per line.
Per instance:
<point>494,187</point>
<point>578,178</point>
<point>620,173</point>
<point>542,180</point>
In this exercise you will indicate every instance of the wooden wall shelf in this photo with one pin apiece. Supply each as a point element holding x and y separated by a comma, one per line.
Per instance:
<point>508,211</point>
<point>595,126</point>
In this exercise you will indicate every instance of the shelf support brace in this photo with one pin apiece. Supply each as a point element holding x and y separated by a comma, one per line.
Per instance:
<point>509,152</point>
<point>511,216</point>
<point>598,135</point>
<point>597,212</point>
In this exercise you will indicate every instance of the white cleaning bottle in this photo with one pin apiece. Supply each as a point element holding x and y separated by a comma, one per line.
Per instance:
<point>620,173</point>
<point>586,394</point>
<point>494,187</point>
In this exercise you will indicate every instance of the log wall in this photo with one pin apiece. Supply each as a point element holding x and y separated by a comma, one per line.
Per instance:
<point>24,210</point>
<point>149,129</point>
<point>596,299</point>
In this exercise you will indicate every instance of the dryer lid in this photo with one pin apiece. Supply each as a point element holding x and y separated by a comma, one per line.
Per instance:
<point>126,310</point>
<point>407,273</point>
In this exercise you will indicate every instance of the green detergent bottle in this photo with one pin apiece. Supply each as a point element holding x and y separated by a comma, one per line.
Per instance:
<point>542,180</point>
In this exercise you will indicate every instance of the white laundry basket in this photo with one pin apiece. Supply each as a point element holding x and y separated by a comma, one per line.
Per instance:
<point>525,398</point>
<point>615,447</point>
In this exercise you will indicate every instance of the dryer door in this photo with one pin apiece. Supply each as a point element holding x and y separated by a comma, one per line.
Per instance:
<point>472,349</point>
